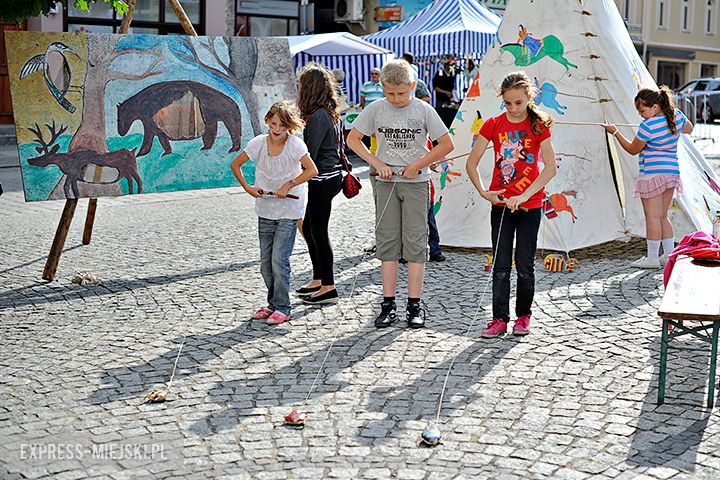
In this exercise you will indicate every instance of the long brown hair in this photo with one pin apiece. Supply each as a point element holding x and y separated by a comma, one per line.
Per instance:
<point>317,90</point>
<point>536,116</point>
<point>661,97</point>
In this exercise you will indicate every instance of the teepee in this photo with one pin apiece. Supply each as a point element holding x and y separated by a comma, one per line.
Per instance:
<point>581,58</point>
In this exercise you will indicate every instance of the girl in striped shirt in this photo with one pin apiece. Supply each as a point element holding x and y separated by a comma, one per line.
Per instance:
<point>659,180</point>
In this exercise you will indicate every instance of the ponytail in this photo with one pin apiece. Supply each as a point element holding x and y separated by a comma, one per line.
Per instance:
<point>537,117</point>
<point>662,98</point>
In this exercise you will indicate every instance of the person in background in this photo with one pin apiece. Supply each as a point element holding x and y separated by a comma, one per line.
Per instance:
<point>410,58</point>
<point>372,90</point>
<point>339,77</point>
<point>443,84</point>
<point>421,91</point>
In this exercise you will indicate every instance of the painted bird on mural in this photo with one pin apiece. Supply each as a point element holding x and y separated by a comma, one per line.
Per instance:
<point>42,62</point>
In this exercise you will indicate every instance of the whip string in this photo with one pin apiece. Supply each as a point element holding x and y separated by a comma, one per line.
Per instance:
<point>472,323</point>
<point>342,318</point>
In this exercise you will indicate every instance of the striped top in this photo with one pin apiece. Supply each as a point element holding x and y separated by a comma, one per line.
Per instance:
<point>371,91</point>
<point>660,153</point>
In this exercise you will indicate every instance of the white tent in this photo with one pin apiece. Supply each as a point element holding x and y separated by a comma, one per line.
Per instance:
<point>589,72</point>
<point>343,50</point>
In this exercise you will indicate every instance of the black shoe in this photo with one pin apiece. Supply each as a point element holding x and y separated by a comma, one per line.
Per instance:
<point>307,290</point>
<point>388,314</point>
<point>437,258</point>
<point>331,296</point>
<point>415,315</point>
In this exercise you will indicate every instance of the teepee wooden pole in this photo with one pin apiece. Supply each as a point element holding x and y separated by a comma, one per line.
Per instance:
<point>97,175</point>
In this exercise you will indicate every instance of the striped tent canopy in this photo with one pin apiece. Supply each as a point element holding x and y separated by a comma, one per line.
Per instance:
<point>463,28</point>
<point>343,50</point>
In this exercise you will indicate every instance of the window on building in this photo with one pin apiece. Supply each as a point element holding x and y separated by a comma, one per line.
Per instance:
<point>662,14</point>
<point>710,14</point>
<point>151,16</point>
<point>686,16</point>
<point>671,74</point>
<point>627,9</point>
<point>267,18</point>
<point>707,70</point>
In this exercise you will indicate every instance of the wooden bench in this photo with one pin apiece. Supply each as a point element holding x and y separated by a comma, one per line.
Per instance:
<point>692,294</point>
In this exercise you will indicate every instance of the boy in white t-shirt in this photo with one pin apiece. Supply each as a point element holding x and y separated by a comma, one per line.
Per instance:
<point>280,158</point>
<point>402,125</point>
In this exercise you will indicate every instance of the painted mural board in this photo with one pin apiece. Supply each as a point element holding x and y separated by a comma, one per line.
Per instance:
<point>157,113</point>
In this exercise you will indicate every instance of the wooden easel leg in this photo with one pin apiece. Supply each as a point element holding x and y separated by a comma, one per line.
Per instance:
<point>713,364</point>
<point>89,221</point>
<point>59,241</point>
<point>663,362</point>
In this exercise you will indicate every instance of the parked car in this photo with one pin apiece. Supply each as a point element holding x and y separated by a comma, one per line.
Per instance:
<point>700,99</point>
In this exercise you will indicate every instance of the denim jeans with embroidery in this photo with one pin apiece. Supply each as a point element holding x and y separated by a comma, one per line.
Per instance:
<point>277,239</point>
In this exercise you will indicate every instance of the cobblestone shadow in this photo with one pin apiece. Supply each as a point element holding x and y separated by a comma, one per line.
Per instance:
<point>418,400</point>
<point>669,435</point>
<point>289,384</point>
<point>135,380</point>
<point>40,293</point>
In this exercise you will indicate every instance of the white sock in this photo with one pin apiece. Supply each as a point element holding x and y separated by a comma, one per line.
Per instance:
<point>653,248</point>
<point>668,245</point>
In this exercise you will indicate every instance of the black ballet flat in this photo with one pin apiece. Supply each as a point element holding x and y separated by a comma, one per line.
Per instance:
<point>307,290</point>
<point>329,297</point>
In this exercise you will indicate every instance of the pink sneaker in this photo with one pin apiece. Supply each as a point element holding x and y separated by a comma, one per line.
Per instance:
<point>522,325</point>
<point>495,328</point>
<point>277,318</point>
<point>262,314</point>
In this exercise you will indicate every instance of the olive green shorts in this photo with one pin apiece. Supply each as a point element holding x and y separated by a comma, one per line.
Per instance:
<point>401,215</point>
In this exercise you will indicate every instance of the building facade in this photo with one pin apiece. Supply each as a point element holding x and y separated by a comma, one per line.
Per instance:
<point>677,39</point>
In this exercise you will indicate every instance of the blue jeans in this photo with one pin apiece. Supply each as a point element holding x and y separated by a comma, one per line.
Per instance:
<point>277,239</point>
<point>523,227</point>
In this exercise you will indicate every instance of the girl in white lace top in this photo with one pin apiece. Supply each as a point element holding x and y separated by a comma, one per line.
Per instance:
<point>282,166</point>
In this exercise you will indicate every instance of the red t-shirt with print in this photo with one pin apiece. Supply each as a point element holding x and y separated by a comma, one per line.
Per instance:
<point>516,158</point>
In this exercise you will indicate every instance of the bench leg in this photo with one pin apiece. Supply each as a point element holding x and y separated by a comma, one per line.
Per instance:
<point>663,362</point>
<point>713,364</point>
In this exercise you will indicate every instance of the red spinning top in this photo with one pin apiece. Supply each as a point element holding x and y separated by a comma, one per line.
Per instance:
<point>296,419</point>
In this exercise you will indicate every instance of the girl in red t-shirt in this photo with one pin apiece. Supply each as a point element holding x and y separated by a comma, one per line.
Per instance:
<point>521,139</point>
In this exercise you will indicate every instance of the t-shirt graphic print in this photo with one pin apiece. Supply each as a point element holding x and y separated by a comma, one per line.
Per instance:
<point>516,157</point>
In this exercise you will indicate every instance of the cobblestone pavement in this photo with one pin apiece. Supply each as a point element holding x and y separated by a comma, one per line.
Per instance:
<point>575,399</point>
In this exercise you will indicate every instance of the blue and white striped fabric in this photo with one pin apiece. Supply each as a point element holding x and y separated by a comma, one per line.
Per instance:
<point>356,67</point>
<point>660,153</point>
<point>445,27</point>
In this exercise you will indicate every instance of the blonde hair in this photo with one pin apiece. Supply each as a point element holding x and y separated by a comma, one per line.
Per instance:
<point>397,72</point>
<point>661,97</point>
<point>288,114</point>
<point>317,90</point>
<point>536,116</point>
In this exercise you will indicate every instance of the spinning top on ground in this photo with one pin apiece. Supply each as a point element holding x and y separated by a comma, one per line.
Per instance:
<point>296,419</point>
<point>430,437</point>
<point>157,396</point>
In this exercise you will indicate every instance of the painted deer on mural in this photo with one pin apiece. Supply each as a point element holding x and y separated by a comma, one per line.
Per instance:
<point>73,165</point>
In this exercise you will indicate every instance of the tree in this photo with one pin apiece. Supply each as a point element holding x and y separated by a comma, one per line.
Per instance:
<point>20,10</point>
